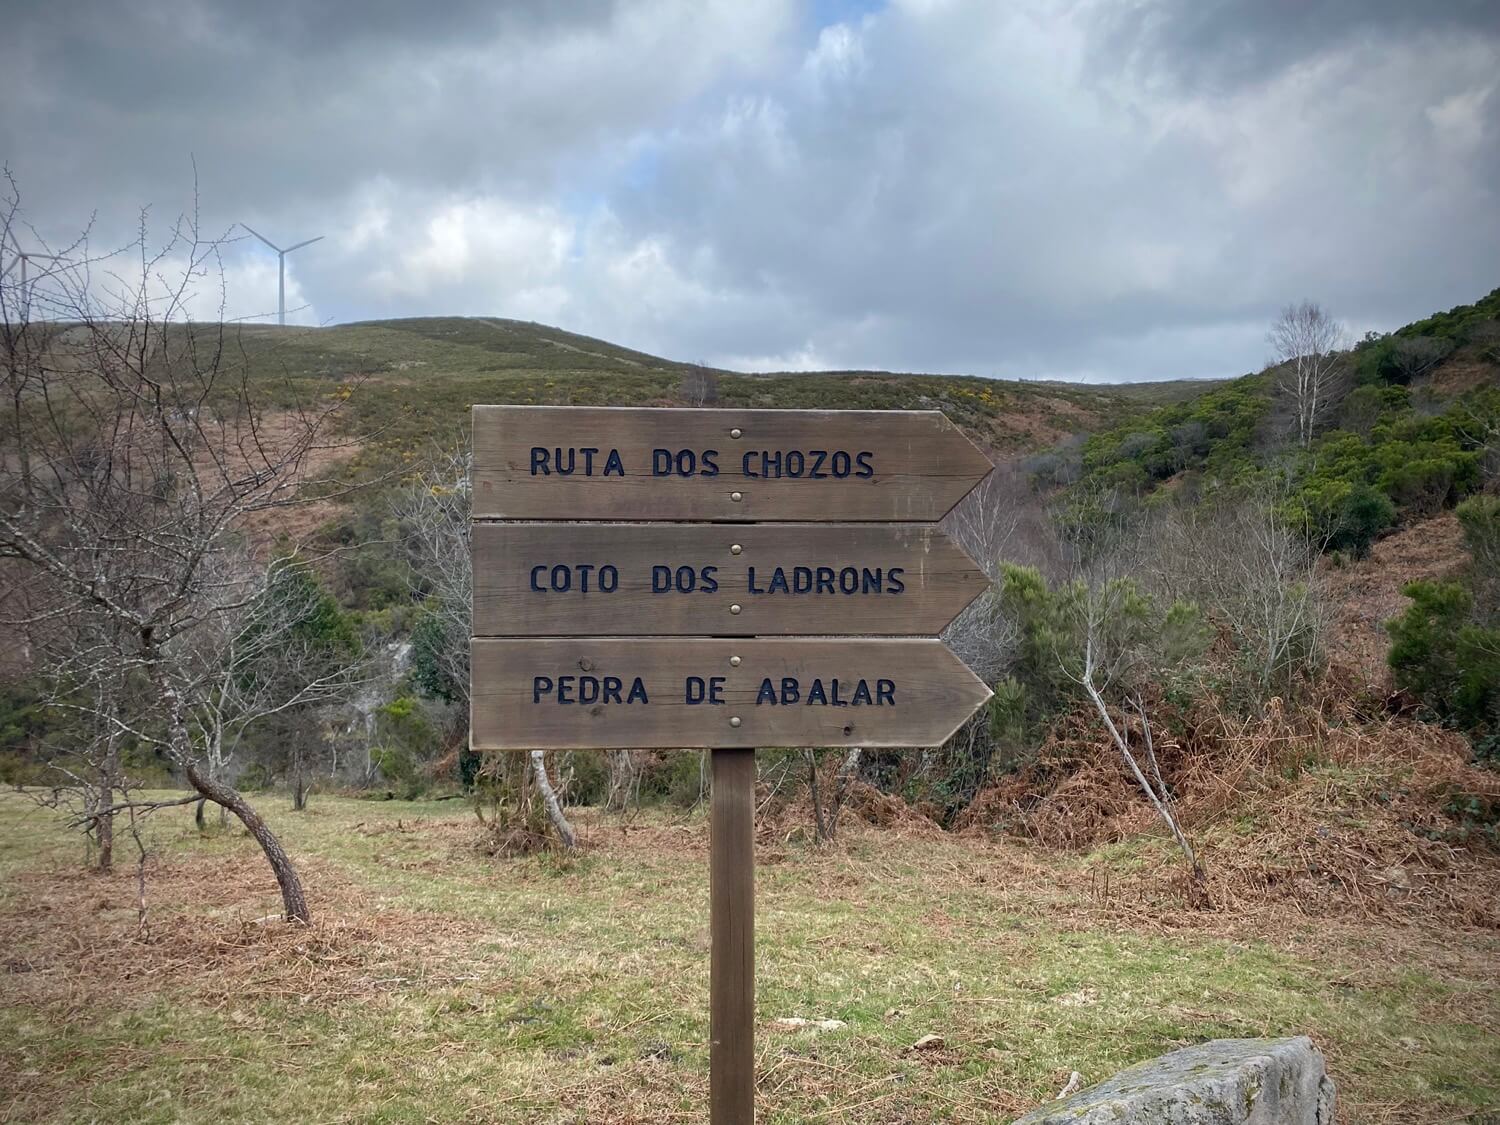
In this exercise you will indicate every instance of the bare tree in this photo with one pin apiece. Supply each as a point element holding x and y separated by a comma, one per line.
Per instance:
<point>985,525</point>
<point>1106,664</point>
<point>83,760</point>
<point>436,514</point>
<point>1308,341</point>
<point>1110,650</point>
<point>699,386</point>
<point>260,661</point>
<point>135,456</point>
<point>1256,574</point>
<point>624,779</point>
<point>828,805</point>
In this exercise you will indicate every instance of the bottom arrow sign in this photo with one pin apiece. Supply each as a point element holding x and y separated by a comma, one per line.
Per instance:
<point>621,693</point>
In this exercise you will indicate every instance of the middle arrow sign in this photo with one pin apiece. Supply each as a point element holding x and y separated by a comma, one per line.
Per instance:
<point>627,579</point>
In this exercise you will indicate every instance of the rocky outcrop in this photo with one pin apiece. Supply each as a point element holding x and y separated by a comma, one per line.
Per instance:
<point>1222,1082</point>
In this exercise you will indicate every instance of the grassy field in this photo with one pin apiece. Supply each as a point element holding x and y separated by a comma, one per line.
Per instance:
<point>439,984</point>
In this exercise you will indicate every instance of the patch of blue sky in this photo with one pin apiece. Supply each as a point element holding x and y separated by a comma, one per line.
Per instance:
<point>826,13</point>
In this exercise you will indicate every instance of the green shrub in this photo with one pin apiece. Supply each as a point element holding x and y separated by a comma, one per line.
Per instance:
<point>1479,516</point>
<point>430,672</point>
<point>1343,516</point>
<point>1476,817</point>
<point>1421,486</point>
<point>406,739</point>
<point>1445,658</point>
<point>1128,628</point>
<point>678,780</point>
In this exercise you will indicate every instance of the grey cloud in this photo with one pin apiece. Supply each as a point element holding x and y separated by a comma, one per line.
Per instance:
<point>283,111</point>
<point>1096,190</point>
<point>969,202</point>
<point>1225,44</point>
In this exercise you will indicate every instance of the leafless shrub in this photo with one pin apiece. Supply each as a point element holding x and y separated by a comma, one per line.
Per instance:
<point>435,512</point>
<point>1256,577</point>
<point>139,461</point>
<point>699,386</point>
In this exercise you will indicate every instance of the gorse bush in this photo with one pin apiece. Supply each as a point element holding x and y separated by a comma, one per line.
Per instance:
<point>1214,433</point>
<point>1447,659</point>
<point>1445,649</point>
<point>405,741</point>
<point>1140,638</point>
<point>1387,461</point>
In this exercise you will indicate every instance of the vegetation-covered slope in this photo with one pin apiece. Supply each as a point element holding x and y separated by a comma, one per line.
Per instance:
<point>410,382</point>
<point>1405,436</point>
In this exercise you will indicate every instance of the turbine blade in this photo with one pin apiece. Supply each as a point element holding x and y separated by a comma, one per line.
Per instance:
<point>263,238</point>
<point>309,242</point>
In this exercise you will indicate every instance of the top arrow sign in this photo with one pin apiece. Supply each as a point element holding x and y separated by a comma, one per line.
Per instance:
<point>627,463</point>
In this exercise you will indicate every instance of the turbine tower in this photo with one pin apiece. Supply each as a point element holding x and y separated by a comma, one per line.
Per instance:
<point>281,268</point>
<point>24,257</point>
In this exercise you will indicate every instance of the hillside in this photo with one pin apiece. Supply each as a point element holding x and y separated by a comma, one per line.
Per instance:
<point>1407,432</point>
<point>412,382</point>
<point>1012,886</point>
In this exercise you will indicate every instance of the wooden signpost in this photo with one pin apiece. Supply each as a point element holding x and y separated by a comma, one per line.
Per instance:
<point>625,463</point>
<point>723,579</point>
<point>695,579</point>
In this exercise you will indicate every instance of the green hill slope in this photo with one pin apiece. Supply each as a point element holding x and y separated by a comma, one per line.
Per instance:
<point>1413,429</point>
<point>409,383</point>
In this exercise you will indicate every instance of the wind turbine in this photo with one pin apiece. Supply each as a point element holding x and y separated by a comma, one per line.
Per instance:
<point>24,257</point>
<point>281,266</point>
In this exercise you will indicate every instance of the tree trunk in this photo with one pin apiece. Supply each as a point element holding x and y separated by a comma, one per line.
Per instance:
<point>293,900</point>
<point>299,784</point>
<point>820,828</point>
<point>843,782</point>
<point>105,816</point>
<point>549,798</point>
<point>622,773</point>
<point>1158,800</point>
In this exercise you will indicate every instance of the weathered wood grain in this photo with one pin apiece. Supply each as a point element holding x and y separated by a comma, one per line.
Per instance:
<point>555,693</point>
<point>675,464</point>
<point>731,881</point>
<point>666,579</point>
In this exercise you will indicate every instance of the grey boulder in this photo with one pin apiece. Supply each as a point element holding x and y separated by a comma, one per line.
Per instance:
<point>1222,1082</point>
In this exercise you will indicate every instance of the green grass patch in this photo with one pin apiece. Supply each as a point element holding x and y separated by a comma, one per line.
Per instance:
<point>442,985</point>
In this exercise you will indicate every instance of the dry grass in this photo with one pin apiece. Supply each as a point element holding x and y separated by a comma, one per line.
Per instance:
<point>438,984</point>
<point>1319,812</point>
<point>1365,594</point>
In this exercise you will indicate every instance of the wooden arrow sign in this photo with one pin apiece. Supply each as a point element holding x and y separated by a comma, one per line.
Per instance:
<point>614,693</point>
<point>665,579</point>
<point>630,463</point>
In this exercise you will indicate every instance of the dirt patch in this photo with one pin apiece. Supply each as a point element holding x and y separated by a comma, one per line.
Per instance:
<point>278,433</point>
<point>1467,370</point>
<point>1364,595</point>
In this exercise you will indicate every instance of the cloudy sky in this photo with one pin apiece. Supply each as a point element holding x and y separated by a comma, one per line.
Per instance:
<point>1086,189</point>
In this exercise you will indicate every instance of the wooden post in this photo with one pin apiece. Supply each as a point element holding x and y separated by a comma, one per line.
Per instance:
<point>731,868</point>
